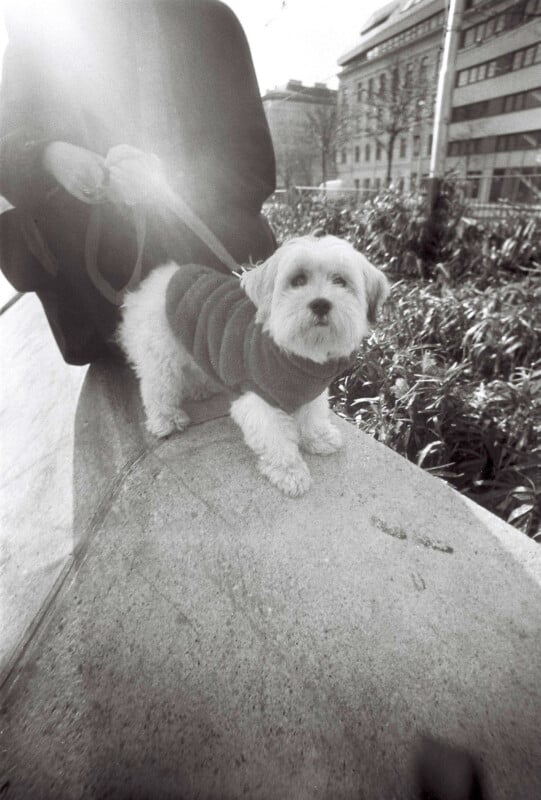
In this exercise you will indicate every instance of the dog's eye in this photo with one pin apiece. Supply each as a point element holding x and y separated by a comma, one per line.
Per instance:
<point>299,280</point>
<point>339,280</point>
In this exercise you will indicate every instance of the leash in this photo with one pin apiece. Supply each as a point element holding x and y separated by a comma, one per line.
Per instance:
<point>182,210</point>
<point>92,241</point>
<point>172,201</point>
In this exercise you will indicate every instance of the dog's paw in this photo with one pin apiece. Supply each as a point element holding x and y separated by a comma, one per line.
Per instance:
<point>292,478</point>
<point>162,425</point>
<point>322,442</point>
<point>181,420</point>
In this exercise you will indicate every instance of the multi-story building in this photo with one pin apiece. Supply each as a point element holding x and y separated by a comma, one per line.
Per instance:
<point>495,130</point>
<point>405,36</point>
<point>302,122</point>
<point>494,135</point>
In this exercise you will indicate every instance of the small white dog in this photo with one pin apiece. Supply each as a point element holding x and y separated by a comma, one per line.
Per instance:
<point>275,340</point>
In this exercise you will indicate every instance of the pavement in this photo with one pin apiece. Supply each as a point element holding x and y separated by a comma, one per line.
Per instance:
<point>199,635</point>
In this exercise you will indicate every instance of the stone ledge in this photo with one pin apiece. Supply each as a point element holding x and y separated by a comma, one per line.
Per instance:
<point>37,408</point>
<point>215,639</point>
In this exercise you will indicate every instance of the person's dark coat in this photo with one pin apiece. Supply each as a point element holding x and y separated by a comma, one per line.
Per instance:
<point>173,77</point>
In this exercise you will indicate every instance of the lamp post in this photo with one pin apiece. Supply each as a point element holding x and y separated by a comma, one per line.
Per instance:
<point>443,100</point>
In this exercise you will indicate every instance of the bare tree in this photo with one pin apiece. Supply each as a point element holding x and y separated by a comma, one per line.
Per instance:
<point>293,161</point>
<point>392,105</point>
<point>322,125</point>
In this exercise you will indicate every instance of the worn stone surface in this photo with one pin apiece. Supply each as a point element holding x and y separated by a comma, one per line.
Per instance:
<point>215,639</point>
<point>37,406</point>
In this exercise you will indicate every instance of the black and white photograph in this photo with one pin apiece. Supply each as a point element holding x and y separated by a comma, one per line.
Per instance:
<point>270,406</point>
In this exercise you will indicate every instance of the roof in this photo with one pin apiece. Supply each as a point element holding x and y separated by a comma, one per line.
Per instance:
<point>392,18</point>
<point>296,91</point>
<point>379,17</point>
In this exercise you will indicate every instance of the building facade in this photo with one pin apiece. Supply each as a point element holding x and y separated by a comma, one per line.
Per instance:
<point>494,117</point>
<point>302,122</point>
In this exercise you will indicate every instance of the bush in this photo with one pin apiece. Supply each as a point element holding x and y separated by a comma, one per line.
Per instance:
<point>451,378</point>
<point>391,230</point>
<point>455,386</point>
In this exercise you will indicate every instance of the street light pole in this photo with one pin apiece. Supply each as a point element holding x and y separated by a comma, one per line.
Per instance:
<point>442,111</point>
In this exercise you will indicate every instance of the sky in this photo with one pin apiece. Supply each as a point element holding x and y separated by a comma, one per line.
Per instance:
<point>300,39</point>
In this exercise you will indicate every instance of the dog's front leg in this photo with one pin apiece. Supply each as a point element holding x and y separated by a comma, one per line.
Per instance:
<point>273,436</point>
<point>317,433</point>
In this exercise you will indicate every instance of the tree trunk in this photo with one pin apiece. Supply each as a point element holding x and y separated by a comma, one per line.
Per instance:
<point>390,153</point>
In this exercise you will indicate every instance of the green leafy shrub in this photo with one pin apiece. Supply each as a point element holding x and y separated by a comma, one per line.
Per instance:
<point>391,230</point>
<point>453,383</point>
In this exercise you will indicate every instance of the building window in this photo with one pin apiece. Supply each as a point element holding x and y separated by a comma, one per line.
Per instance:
<point>519,14</point>
<point>527,140</point>
<point>529,55</point>
<point>367,152</point>
<point>508,62</point>
<point>366,184</point>
<point>403,147</point>
<point>416,146</point>
<point>408,79</point>
<point>377,184</point>
<point>413,181</point>
<point>497,105</point>
<point>473,180</point>
<point>359,91</point>
<point>344,156</point>
<point>423,69</point>
<point>357,183</point>
<point>429,144</point>
<point>370,88</point>
<point>357,154</point>
<point>379,151</point>
<point>382,84</point>
<point>522,185</point>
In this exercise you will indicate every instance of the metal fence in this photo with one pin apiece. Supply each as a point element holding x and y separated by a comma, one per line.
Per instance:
<point>501,209</point>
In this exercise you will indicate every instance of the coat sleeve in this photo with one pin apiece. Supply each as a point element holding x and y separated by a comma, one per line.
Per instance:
<point>226,143</point>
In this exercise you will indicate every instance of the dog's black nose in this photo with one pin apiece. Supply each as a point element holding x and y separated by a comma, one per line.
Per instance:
<point>320,306</point>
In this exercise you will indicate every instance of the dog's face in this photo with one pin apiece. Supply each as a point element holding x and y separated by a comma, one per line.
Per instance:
<point>316,297</point>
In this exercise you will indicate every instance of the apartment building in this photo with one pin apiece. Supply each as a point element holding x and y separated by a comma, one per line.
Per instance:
<point>495,115</point>
<point>495,130</point>
<point>302,122</point>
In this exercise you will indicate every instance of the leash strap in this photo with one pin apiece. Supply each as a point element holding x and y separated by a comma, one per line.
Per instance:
<point>181,210</point>
<point>92,242</point>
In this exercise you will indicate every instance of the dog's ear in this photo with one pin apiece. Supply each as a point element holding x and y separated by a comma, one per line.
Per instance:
<point>377,289</point>
<point>258,283</point>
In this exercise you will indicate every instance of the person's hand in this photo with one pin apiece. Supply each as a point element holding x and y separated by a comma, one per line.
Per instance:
<point>134,176</point>
<point>81,172</point>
